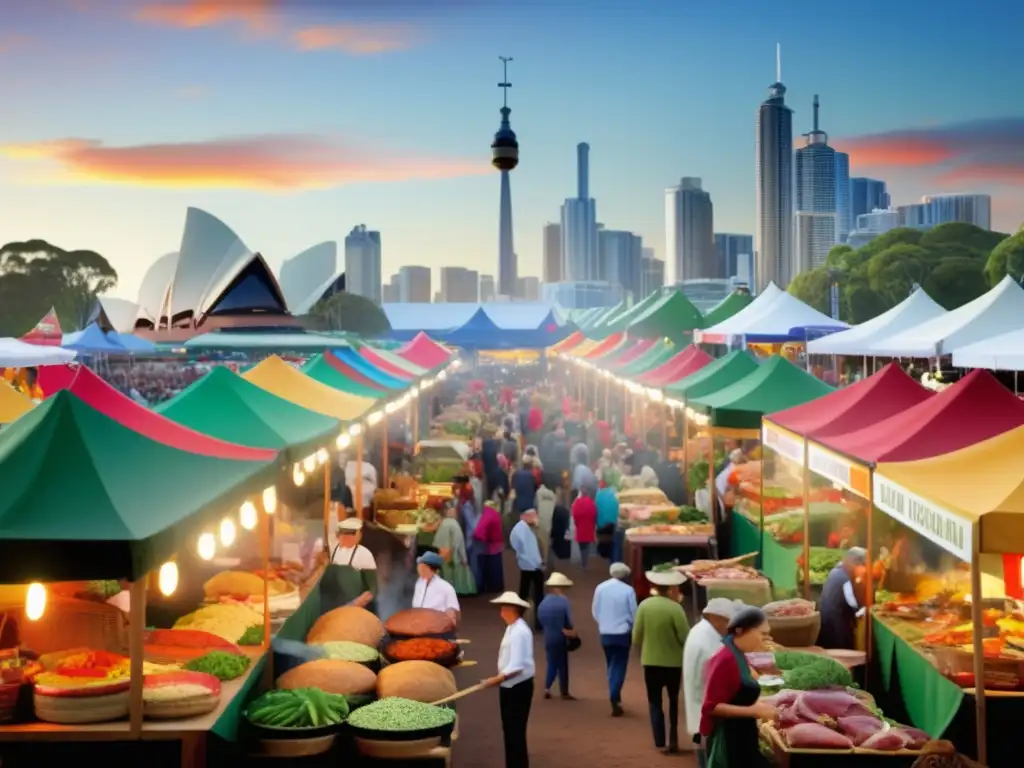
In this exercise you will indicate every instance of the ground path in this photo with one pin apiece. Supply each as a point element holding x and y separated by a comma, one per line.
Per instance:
<point>562,733</point>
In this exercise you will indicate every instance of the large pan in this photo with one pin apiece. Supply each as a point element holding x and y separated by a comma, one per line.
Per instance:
<point>439,651</point>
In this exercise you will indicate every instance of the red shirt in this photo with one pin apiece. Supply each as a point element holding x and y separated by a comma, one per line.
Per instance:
<point>721,684</point>
<point>584,514</point>
<point>489,533</point>
<point>535,420</point>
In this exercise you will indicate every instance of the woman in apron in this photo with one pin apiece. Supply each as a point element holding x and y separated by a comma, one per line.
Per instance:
<point>731,710</point>
<point>451,546</point>
<point>350,577</point>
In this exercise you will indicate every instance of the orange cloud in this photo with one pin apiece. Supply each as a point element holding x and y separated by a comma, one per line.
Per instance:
<point>900,152</point>
<point>357,39</point>
<point>278,163</point>
<point>984,172</point>
<point>12,43</point>
<point>257,15</point>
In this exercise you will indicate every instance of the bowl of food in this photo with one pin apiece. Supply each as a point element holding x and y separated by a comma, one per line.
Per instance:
<point>397,719</point>
<point>435,649</point>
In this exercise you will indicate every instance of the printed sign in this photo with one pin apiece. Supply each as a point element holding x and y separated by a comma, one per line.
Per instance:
<point>783,442</point>
<point>947,529</point>
<point>853,477</point>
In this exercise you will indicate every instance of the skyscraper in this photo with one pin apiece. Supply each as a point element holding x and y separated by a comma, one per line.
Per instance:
<point>620,254</point>
<point>816,223</point>
<point>579,225</point>
<point>844,216</point>
<point>362,263</point>
<point>774,172</point>
<point>867,195</point>
<point>735,255</point>
<point>943,209</point>
<point>460,285</point>
<point>486,288</point>
<point>652,273</point>
<point>689,233</point>
<point>414,285</point>
<point>505,157</point>
<point>552,253</point>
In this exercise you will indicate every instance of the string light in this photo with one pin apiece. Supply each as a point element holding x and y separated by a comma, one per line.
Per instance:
<point>227,532</point>
<point>270,499</point>
<point>355,430</point>
<point>247,516</point>
<point>322,456</point>
<point>206,547</point>
<point>343,441</point>
<point>309,463</point>
<point>298,476</point>
<point>374,418</point>
<point>167,579</point>
<point>35,601</point>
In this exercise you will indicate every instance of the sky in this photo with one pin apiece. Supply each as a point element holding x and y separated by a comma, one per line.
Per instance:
<point>295,120</point>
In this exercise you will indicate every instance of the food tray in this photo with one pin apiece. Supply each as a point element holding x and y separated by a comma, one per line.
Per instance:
<point>308,746</point>
<point>272,733</point>
<point>778,742</point>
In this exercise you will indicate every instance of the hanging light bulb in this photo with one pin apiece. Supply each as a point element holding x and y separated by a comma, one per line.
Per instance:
<point>298,476</point>
<point>247,516</point>
<point>309,463</point>
<point>206,547</point>
<point>374,418</point>
<point>35,601</point>
<point>322,456</point>
<point>227,532</point>
<point>167,579</point>
<point>355,430</point>
<point>343,441</point>
<point>270,499</point>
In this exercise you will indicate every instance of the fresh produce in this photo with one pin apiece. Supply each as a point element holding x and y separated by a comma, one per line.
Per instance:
<point>356,625</point>
<point>691,515</point>
<point>885,741</point>
<point>220,664</point>
<point>226,620</point>
<point>98,665</point>
<point>416,680</point>
<point>298,708</point>
<point>344,650</point>
<point>794,608</point>
<point>653,497</point>
<point>252,636</point>
<point>417,622</point>
<point>421,649</point>
<point>179,686</point>
<point>396,715</point>
<point>714,569</point>
<point>822,561</point>
<point>102,590</point>
<point>810,672</point>
<point>237,584</point>
<point>341,677</point>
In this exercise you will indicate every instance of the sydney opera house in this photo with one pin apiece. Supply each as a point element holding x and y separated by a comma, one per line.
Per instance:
<point>213,281</point>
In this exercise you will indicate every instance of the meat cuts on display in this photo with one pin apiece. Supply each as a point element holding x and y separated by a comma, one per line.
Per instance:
<point>885,741</point>
<point>860,728</point>
<point>815,736</point>
<point>814,705</point>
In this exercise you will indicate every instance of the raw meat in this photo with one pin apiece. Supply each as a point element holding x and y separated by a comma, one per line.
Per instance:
<point>860,727</point>
<point>783,698</point>
<point>885,741</point>
<point>815,736</point>
<point>830,703</point>
<point>915,738</point>
<point>788,717</point>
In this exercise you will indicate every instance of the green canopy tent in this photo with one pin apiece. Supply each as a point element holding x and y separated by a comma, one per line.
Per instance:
<point>729,306</point>
<point>621,320</point>
<point>776,385</point>
<point>673,317</point>
<point>87,498</point>
<point>223,404</point>
<point>597,329</point>
<point>659,353</point>
<point>320,370</point>
<point>715,376</point>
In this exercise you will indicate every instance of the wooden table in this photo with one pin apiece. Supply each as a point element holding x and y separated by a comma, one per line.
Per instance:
<point>635,546</point>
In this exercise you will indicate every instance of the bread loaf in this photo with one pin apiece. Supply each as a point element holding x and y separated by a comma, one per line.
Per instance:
<point>344,677</point>
<point>417,622</point>
<point>356,625</point>
<point>417,680</point>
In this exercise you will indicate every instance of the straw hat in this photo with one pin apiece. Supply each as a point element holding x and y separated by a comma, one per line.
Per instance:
<point>665,578</point>
<point>511,598</point>
<point>558,580</point>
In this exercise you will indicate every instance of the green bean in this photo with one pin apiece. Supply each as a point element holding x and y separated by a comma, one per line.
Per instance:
<point>221,664</point>
<point>395,714</point>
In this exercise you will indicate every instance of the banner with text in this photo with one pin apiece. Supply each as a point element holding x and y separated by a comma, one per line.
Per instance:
<point>840,470</point>
<point>947,529</point>
<point>783,442</point>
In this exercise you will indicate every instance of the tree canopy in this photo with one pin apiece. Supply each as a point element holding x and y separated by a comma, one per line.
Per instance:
<point>36,275</point>
<point>955,263</point>
<point>350,312</point>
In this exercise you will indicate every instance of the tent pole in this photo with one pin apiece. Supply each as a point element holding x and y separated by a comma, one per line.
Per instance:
<point>807,521</point>
<point>359,477</point>
<point>136,652</point>
<point>327,503</point>
<point>385,459</point>
<point>977,609</point>
<point>869,579</point>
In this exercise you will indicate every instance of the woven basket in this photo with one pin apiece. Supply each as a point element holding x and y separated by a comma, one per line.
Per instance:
<point>193,706</point>
<point>795,631</point>
<point>79,710</point>
<point>72,623</point>
<point>9,695</point>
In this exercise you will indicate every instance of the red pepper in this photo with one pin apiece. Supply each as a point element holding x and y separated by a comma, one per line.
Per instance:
<point>81,672</point>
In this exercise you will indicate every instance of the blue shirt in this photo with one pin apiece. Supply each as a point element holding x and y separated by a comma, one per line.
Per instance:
<point>524,542</point>
<point>554,614</point>
<point>583,477</point>
<point>607,507</point>
<point>614,607</point>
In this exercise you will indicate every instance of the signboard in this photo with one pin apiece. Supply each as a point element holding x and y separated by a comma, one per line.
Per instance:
<point>783,442</point>
<point>840,470</point>
<point>47,332</point>
<point>947,529</point>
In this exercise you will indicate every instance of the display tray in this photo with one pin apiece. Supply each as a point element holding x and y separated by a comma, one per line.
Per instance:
<point>778,744</point>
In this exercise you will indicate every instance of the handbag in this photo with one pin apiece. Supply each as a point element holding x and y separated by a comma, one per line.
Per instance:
<point>573,643</point>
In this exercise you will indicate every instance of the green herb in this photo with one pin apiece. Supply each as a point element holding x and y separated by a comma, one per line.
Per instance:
<point>691,515</point>
<point>344,650</point>
<point>220,664</point>
<point>809,671</point>
<point>252,636</point>
<point>395,714</point>
<point>104,589</point>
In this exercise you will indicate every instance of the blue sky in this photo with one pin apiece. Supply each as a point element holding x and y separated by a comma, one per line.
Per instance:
<point>294,121</point>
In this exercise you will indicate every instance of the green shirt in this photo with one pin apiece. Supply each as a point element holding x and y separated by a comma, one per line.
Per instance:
<point>660,629</point>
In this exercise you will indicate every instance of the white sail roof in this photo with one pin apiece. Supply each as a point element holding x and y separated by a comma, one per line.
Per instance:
<point>910,313</point>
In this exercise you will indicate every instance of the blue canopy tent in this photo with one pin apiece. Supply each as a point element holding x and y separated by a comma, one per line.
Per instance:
<point>354,360</point>
<point>134,344</point>
<point>93,341</point>
<point>481,332</point>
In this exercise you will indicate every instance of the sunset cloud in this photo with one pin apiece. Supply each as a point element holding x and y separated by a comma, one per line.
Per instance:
<point>12,43</point>
<point>356,39</point>
<point>278,163</point>
<point>257,15</point>
<point>982,151</point>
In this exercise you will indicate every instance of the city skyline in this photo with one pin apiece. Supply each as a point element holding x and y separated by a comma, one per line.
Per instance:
<point>289,124</point>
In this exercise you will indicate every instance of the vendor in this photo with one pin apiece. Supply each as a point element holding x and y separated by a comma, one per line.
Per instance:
<point>432,591</point>
<point>840,607</point>
<point>351,576</point>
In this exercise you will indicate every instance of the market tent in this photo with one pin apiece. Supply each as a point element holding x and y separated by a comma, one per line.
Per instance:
<point>237,341</point>
<point>352,374</point>
<point>731,305</point>
<point>720,374</point>
<point>916,309</point>
<point>991,314</point>
<point>603,325</point>
<point>99,395</point>
<point>623,346</point>
<point>93,341</point>
<point>353,360</point>
<point>319,369</point>
<point>1004,352</point>
<point>524,315</point>
<point>981,482</point>
<point>569,342</point>
<point>18,354</point>
<point>134,344</point>
<point>88,498</point>
<point>673,316</point>
<point>481,332</point>
<point>596,315</point>
<point>786,318</point>
<point>376,356</point>
<point>424,352</point>
<point>389,367</point>
<point>974,409</point>
<point>45,333</point>
<point>412,318</point>
<point>775,385</point>
<point>605,346</point>
<point>225,405</point>
<point>281,379</point>
<point>12,403</point>
<point>723,331</point>
<point>690,360</point>
<point>869,401</point>
<point>622,319</point>
<point>630,350</point>
<point>661,352</point>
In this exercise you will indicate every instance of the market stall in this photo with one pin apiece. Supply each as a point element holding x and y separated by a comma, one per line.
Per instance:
<point>13,403</point>
<point>425,352</point>
<point>672,316</point>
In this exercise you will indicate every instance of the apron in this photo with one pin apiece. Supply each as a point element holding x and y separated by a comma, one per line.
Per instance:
<point>341,584</point>
<point>735,740</point>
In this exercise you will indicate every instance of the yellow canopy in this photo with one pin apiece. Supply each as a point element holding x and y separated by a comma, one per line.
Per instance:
<point>983,483</point>
<point>279,378</point>
<point>581,349</point>
<point>12,403</point>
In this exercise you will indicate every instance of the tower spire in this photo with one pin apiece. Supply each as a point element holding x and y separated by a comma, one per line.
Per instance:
<point>504,84</point>
<point>778,62</point>
<point>816,105</point>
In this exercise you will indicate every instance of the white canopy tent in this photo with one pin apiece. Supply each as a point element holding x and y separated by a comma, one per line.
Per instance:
<point>18,354</point>
<point>916,309</point>
<point>998,353</point>
<point>731,326</point>
<point>991,314</point>
<point>774,319</point>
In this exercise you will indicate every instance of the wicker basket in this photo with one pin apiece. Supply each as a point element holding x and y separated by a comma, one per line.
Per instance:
<point>9,695</point>
<point>72,623</point>
<point>795,631</point>
<point>194,706</point>
<point>79,710</point>
<point>392,518</point>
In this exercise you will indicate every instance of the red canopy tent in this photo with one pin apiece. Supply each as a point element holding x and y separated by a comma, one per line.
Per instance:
<point>620,358</point>
<point>887,393</point>
<point>351,373</point>
<point>424,352</point>
<point>571,341</point>
<point>974,409</point>
<point>47,332</point>
<point>605,347</point>
<point>690,360</point>
<point>95,392</point>
<point>370,355</point>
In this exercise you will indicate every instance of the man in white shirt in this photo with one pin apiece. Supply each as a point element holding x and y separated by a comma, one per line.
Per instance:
<point>516,670</point>
<point>614,610</point>
<point>431,591</point>
<point>702,643</point>
<point>348,550</point>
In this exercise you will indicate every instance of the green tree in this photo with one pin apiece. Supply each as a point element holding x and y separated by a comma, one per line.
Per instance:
<point>968,239</point>
<point>956,281</point>
<point>893,272</point>
<point>36,275</point>
<point>347,312</point>
<point>812,288</point>
<point>1007,258</point>
<point>860,303</point>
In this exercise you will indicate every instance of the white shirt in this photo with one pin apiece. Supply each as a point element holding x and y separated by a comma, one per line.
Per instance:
<point>361,559</point>
<point>437,594</point>
<point>515,654</point>
<point>851,599</point>
<point>614,607</point>
<point>367,478</point>
<point>702,643</point>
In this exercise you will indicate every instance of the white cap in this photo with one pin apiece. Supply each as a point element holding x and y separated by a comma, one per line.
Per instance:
<point>722,607</point>
<point>510,598</point>
<point>665,578</point>
<point>350,525</point>
<point>558,580</point>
